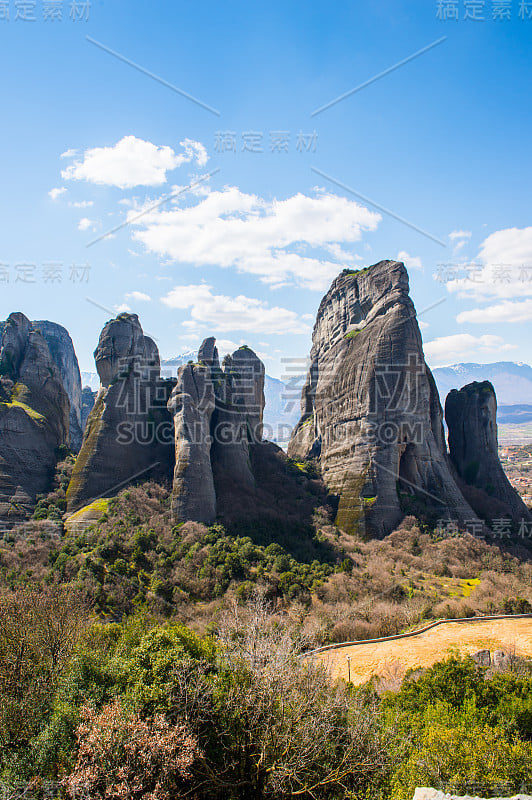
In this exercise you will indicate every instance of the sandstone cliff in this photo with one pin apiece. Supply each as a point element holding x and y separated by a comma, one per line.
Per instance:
<point>218,419</point>
<point>192,405</point>
<point>63,353</point>
<point>128,435</point>
<point>34,416</point>
<point>371,414</point>
<point>470,414</point>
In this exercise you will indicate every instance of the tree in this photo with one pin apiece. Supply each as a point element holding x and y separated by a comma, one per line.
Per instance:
<point>123,757</point>
<point>38,633</point>
<point>454,750</point>
<point>285,728</point>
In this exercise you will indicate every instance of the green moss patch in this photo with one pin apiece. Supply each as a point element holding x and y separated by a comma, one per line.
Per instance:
<point>34,415</point>
<point>100,506</point>
<point>352,508</point>
<point>94,424</point>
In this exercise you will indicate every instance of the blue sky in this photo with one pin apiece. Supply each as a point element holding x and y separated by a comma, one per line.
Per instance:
<point>88,142</point>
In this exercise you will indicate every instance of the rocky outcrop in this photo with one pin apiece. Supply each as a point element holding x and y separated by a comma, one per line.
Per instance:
<point>129,433</point>
<point>64,356</point>
<point>217,414</point>
<point>470,414</point>
<point>499,659</point>
<point>371,414</point>
<point>34,416</point>
<point>237,420</point>
<point>192,404</point>
<point>63,353</point>
<point>208,353</point>
<point>482,658</point>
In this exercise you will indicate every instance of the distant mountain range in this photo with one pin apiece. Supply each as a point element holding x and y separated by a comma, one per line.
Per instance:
<point>511,380</point>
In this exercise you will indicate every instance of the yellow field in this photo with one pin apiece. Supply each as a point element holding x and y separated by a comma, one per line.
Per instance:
<point>392,658</point>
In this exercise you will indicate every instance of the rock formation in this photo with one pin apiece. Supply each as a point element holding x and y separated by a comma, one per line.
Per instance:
<point>64,356</point>
<point>371,414</point>
<point>129,435</point>
<point>470,414</point>
<point>192,405</point>
<point>238,416</point>
<point>63,353</point>
<point>88,398</point>
<point>482,657</point>
<point>34,416</point>
<point>218,419</point>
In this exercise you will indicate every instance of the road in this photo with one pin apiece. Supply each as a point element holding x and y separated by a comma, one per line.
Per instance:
<point>391,658</point>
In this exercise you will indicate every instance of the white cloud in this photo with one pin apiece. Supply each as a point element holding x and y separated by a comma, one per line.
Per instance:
<point>224,345</point>
<point>139,297</point>
<point>194,151</point>
<point>55,193</point>
<point>507,311</point>
<point>422,324</point>
<point>133,162</point>
<point>459,239</point>
<point>454,235</point>
<point>274,239</point>
<point>123,307</point>
<point>340,254</point>
<point>410,262</point>
<point>82,203</point>
<point>227,346</point>
<point>69,153</point>
<point>503,267</point>
<point>84,224</point>
<point>225,313</point>
<point>461,346</point>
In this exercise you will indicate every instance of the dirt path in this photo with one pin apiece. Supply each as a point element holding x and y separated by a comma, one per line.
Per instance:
<point>392,658</point>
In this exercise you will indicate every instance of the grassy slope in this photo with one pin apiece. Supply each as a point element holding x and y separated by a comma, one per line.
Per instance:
<point>341,587</point>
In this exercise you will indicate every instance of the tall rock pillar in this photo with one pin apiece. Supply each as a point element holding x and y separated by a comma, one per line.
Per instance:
<point>128,436</point>
<point>471,417</point>
<point>370,410</point>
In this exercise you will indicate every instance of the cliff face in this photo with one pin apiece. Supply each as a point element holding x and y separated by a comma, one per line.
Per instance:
<point>64,356</point>
<point>470,414</point>
<point>128,435</point>
<point>63,353</point>
<point>217,419</point>
<point>370,409</point>
<point>34,416</point>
